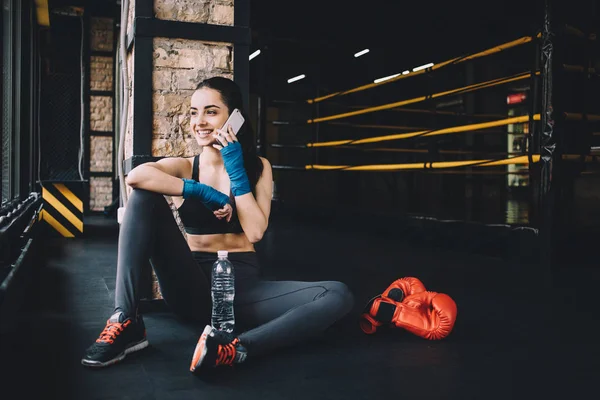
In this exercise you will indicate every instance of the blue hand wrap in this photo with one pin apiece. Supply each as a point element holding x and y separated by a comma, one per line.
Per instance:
<point>234,165</point>
<point>209,196</point>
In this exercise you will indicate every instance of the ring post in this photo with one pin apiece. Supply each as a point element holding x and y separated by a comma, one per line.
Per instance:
<point>547,141</point>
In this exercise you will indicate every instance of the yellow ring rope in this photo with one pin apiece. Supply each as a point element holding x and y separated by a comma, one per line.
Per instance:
<point>466,89</point>
<point>427,165</point>
<point>456,60</point>
<point>444,131</point>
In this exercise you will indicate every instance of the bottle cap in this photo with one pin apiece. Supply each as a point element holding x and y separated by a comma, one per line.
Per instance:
<point>222,253</point>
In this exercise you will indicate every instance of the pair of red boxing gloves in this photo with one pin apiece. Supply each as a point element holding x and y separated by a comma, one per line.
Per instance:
<point>408,305</point>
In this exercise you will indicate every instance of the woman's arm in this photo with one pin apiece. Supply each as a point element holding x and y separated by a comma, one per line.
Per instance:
<point>254,212</point>
<point>164,176</point>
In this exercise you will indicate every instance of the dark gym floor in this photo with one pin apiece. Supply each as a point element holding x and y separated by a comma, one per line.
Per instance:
<point>523,330</point>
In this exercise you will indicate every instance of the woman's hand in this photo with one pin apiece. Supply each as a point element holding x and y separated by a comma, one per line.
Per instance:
<point>225,212</point>
<point>233,158</point>
<point>224,137</point>
<point>208,195</point>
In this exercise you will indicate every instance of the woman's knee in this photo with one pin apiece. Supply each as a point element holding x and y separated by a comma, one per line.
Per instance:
<point>145,196</point>
<point>148,206</point>
<point>141,200</point>
<point>341,295</point>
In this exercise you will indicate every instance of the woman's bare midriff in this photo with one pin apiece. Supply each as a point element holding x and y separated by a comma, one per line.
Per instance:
<point>232,242</point>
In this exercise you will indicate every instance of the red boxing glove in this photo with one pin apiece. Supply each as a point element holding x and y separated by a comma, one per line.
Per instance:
<point>407,286</point>
<point>429,315</point>
<point>396,292</point>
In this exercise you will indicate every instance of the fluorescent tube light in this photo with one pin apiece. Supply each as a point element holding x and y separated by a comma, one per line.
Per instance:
<point>257,52</point>
<point>362,52</point>
<point>296,78</point>
<point>422,67</point>
<point>385,78</point>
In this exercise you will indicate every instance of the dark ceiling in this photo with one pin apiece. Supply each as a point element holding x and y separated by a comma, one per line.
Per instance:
<point>319,37</point>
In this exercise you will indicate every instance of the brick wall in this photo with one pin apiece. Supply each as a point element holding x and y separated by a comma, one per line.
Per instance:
<point>101,34</point>
<point>217,12</point>
<point>179,65</point>
<point>101,153</point>
<point>100,193</point>
<point>101,73</point>
<point>101,111</point>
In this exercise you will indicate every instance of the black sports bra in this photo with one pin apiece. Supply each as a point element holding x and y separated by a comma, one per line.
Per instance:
<point>197,219</point>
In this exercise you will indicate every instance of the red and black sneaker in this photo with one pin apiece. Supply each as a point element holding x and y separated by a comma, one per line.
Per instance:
<point>120,337</point>
<point>216,348</point>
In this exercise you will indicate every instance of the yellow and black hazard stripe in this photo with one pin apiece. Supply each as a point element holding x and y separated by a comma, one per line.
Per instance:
<point>63,209</point>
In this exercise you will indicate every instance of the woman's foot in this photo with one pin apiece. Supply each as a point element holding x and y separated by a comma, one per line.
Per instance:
<point>216,348</point>
<point>120,337</point>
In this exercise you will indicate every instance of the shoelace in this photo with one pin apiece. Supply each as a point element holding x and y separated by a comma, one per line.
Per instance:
<point>226,354</point>
<point>111,331</point>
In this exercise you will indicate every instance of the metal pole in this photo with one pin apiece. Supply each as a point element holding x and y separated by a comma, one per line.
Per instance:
<point>534,137</point>
<point>547,140</point>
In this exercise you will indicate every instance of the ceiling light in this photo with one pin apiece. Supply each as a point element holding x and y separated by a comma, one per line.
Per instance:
<point>362,52</point>
<point>385,78</point>
<point>422,67</point>
<point>257,52</point>
<point>296,78</point>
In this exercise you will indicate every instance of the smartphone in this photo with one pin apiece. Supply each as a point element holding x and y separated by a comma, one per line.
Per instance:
<point>235,120</point>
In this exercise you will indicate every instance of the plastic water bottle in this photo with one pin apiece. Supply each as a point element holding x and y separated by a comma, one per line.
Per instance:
<point>223,293</point>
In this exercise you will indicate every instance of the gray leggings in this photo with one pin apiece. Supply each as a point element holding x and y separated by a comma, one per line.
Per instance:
<point>277,313</point>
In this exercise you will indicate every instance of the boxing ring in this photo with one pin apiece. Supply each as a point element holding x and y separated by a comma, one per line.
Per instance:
<point>543,136</point>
